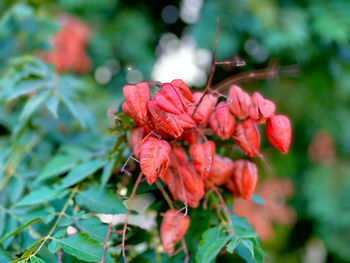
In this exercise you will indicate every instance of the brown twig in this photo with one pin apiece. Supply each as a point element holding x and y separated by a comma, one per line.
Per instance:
<point>187,255</point>
<point>211,75</point>
<point>123,238</point>
<point>165,194</point>
<point>138,180</point>
<point>106,241</point>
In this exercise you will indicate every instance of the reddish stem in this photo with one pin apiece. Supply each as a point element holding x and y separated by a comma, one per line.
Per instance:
<point>106,242</point>
<point>223,204</point>
<point>123,238</point>
<point>187,255</point>
<point>165,194</point>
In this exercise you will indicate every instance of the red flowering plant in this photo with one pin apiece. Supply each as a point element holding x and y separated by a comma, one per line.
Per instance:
<point>174,139</point>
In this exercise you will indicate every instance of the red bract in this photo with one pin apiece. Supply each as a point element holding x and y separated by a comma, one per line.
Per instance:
<point>261,108</point>
<point>154,158</point>
<point>136,137</point>
<point>193,182</point>
<point>279,132</point>
<point>180,154</point>
<point>247,137</point>
<point>181,85</point>
<point>136,99</point>
<point>203,156</point>
<point>185,121</point>
<point>172,229</point>
<point>205,108</point>
<point>169,99</point>
<point>245,177</point>
<point>240,102</point>
<point>165,121</point>
<point>222,122</point>
<point>191,136</point>
<point>220,172</point>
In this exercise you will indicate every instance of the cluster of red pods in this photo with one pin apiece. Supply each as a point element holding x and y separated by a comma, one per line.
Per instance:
<point>173,120</point>
<point>69,46</point>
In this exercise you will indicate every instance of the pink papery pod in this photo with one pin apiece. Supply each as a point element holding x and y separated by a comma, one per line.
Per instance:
<point>203,157</point>
<point>204,109</point>
<point>260,108</point>
<point>247,137</point>
<point>222,122</point>
<point>169,99</point>
<point>165,121</point>
<point>136,136</point>
<point>185,121</point>
<point>279,132</point>
<point>154,158</point>
<point>136,98</point>
<point>240,102</point>
<point>191,136</point>
<point>245,178</point>
<point>220,172</point>
<point>180,154</point>
<point>172,229</point>
<point>184,89</point>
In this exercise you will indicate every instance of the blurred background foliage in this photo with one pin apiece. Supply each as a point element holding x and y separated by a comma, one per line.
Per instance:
<point>136,40</point>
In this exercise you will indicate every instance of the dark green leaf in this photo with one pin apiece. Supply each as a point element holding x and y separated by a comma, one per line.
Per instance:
<point>32,104</point>
<point>231,246</point>
<point>19,229</point>
<point>100,201</point>
<point>107,172</point>
<point>35,259</point>
<point>52,104</point>
<point>25,87</point>
<point>57,165</point>
<point>81,171</point>
<point>249,245</point>
<point>41,196</point>
<point>53,246</point>
<point>82,247</point>
<point>213,240</point>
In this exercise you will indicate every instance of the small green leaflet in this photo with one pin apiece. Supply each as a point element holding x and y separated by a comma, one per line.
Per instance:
<point>42,195</point>
<point>82,247</point>
<point>231,246</point>
<point>81,171</point>
<point>57,165</point>
<point>32,104</point>
<point>35,259</point>
<point>101,201</point>
<point>19,229</point>
<point>213,240</point>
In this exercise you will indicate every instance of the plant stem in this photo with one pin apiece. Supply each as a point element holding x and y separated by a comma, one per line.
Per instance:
<point>106,242</point>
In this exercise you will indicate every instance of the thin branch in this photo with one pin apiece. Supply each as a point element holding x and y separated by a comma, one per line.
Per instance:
<point>187,255</point>
<point>123,240</point>
<point>165,194</point>
<point>138,180</point>
<point>106,242</point>
<point>213,66</point>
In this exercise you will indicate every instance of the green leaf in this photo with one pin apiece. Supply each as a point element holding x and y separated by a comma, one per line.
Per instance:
<point>213,240</point>
<point>107,171</point>
<point>81,171</point>
<point>25,87</point>
<point>82,247</point>
<point>242,228</point>
<point>42,195</point>
<point>249,245</point>
<point>93,227</point>
<point>57,165</point>
<point>35,259</point>
<point>100,201</point>
<point>19,229</point>
<point>32,104</point>
<point>53,246</point>
<point>52,104</point>
<point>231,246</point>
<point>28,252</point>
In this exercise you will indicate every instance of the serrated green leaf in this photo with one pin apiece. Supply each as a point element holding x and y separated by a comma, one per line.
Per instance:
<point>213,240</point>
<point>81,171</point>
<point>82,247</point>
<point>43,195</point>
<point>35,259</point>
<point>57,165</point>
<point>100,201</point>
<point>32,104</point>
<point>231,246</point>
<point>242,227</point>
<point>25,87</point>
<point>19,229</point>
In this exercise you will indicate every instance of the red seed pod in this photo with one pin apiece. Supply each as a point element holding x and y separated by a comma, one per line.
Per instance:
<point>245,177</point>
<point>136,136</point>
<point>203,156</point>
<point>240,102</point>
<point>184,89</point>
<point>180,154</point>
<point>185,121</point>
<point>247,137</point>
<point>165,121</point>
<point>172,229</point>
<point>191,136</point>
<point>131,114</point>
<point>230,186</point>
<point>136,98</point>
<point>154,158</point>
<point>261,108</point>
<point>193,181</point>
<point>220,172</point>
<point>169,99</point>
<point>222,122</point>
<point>279,132</point>
<point>205,108</point>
